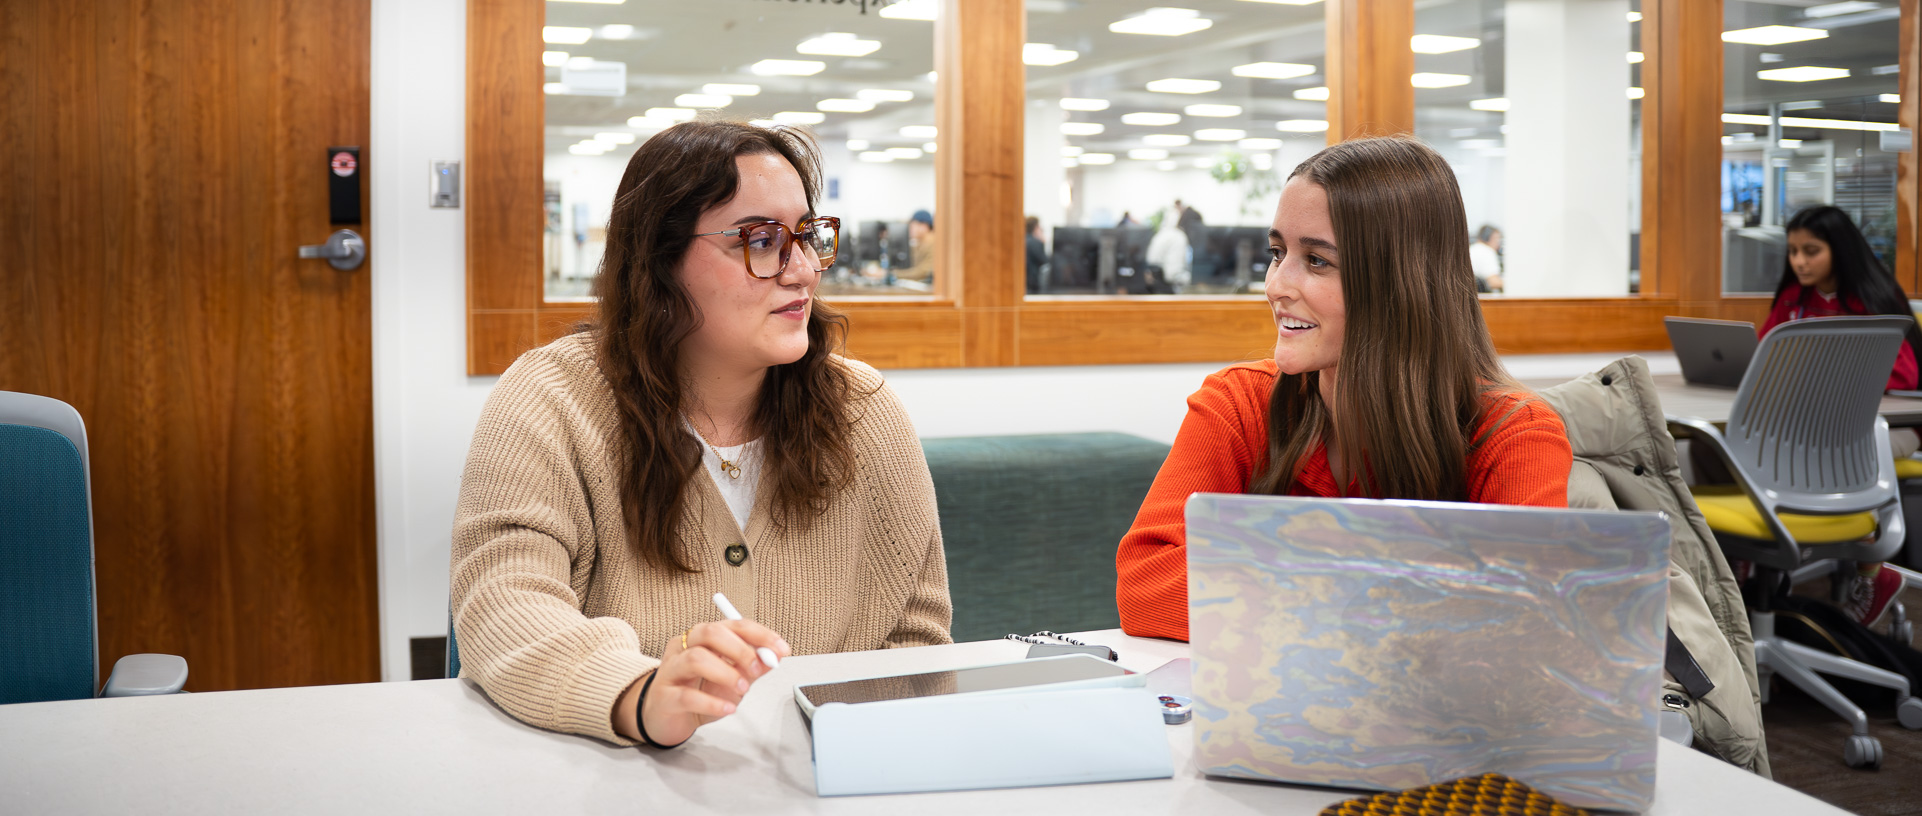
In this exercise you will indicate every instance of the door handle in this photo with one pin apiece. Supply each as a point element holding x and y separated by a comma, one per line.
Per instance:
<point>344,250</point>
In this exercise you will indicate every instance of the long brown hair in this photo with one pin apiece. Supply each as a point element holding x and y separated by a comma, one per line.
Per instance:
<point>1416,359</point>
<point>646,315</point>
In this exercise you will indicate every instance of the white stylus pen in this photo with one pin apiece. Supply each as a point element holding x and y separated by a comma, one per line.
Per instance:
<point>728,611</point>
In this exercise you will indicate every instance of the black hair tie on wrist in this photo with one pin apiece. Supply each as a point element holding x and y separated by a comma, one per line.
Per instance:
<point>640,722</point>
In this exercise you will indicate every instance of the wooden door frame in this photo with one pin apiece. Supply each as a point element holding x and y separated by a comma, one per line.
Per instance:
<point>981,316</point>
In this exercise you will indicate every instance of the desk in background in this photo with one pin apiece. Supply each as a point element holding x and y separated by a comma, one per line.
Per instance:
<point>1713,404</point>
<point>439,746</point>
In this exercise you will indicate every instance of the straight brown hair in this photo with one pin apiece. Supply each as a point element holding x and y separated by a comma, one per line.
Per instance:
<point>645,315</point>
<point>1416,359</point>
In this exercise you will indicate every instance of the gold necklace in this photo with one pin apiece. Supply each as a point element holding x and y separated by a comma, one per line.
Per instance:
<point>732,470</point>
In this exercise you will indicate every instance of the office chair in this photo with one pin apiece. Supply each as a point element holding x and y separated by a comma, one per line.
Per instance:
<point>1816,480</point>
<point>49,644</point>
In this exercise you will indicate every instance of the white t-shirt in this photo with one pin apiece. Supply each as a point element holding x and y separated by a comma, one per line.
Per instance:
<point>737,492</point>
<point>1486,262</point>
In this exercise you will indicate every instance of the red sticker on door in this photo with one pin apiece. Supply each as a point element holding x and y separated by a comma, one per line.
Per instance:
<point>344,164</point>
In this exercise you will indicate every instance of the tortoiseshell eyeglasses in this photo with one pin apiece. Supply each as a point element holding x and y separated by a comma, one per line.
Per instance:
<point>765,245</point>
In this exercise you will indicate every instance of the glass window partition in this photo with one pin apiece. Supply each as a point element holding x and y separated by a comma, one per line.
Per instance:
<point>1156,139</point>
<point>1810,93</point>
<point>857,76</point>
<point>1537,106</point>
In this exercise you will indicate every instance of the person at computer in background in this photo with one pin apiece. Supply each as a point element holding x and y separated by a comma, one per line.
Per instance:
<point>1831,271</point>
<point>704,435</point>
<point>921,243</point>
<point>1369,277</point>
<point>1485,256</point>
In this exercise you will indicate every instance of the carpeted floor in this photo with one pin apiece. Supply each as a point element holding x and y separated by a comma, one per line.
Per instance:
<point>1805,747</point>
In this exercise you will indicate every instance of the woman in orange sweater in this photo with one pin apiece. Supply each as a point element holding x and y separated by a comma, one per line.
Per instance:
<point>1383,383</point>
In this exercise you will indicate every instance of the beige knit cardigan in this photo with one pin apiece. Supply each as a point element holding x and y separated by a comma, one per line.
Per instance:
<point>555,612</point>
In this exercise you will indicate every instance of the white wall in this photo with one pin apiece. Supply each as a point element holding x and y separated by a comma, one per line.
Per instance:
<point>425,405</point>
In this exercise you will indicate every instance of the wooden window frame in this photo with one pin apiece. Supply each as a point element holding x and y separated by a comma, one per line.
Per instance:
<point>981,315</point>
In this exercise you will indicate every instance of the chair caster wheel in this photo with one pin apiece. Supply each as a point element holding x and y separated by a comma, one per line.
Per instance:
<point>1909,714</point>
<point>1863,752</point>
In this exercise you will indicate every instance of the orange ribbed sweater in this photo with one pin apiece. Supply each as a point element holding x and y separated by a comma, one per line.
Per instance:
<point>1223,444</point>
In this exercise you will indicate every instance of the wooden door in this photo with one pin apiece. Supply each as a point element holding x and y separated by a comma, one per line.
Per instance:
<point>160,162</point>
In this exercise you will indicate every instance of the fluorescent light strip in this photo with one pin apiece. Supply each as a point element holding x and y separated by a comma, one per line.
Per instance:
<point>844,106</point>
<point>1046,54</point>
<point>1496,105</point>
<point>781,67</point>
<point>1428,80</point>
<point>615,138</point>
<point>800,117</point>
<point>1184,86</point>
<point>1147,154</point>
<point>838,44</point>
<point>919,131</point>
<point>1273,70</point>
<point>616,31</point>
<point>1166,139</point>
<point>905,152</point>
<point>1438,44</point>
<point>1081,128</point>
<point>1212,110</point>
<point>1302,125</point>
<point>857,145</point>
<point>1150,119</point>
<point>1259,143</point>
<point>1773,35</point>
<point>553,59</point>
<point>1096,158</point>
<point>1075,104</point>
<point>1802,73</point>
<point>1319,94</point>
<point>1162,22</point>
<point>566,35</point>
<point>1797,121</point>
<point>1220,134</point>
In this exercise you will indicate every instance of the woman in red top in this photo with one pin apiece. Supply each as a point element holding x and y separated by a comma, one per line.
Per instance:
<point>1831,272</point>
<point>1383,383</point>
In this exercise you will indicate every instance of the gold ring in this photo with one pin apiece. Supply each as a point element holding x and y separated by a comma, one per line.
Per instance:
<point>684,640</point>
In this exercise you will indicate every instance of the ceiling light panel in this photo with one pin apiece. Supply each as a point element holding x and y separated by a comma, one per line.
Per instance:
<point>800,117</point>
<point>671,114</point>
<point>1166,139</point>
<point>731,89</point>
<point>1259,143</point>
<point>1184,86</point>
<point>566,35</point>
<point>1773,35</point>
<point>1147,154</point>
<point>1150,119</point>
<point>1273,70</point>
<point>1162,22</point>
<point>1076,104</point>
<point>1438,44</point>
<point>1804,73</point>
<point>844,105</point>
<point>614,138</point>
<point>553,59</point>
<point>1428,80</point>
<point>1497,105</point>
<point>617,31</point>
<point>703,100</point>
<point>912,10</point>
<point>905,152</point>
<point>1635,57</point>
<point>1045,54</point>
<point>1081,128</point>
<point>1319,94</point>
<point>884,95</point>
<point>1636,93</point>
<point>1096,158</point>
<point>1302,125</point>
<point>1212,110</point>
<point>1220,134</point>
<point>875,156</point>
<point>857,145</point>
<point>838,44</point>
<point>919,131</point>
<point>1847,7</point>
<point>782,67</point>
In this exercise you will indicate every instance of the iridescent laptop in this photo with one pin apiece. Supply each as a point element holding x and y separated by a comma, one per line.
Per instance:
<point>1386,645</point>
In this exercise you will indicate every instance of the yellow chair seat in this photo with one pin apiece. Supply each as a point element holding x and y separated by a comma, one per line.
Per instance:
<point>1908,468</point>
<point>1733,513</point>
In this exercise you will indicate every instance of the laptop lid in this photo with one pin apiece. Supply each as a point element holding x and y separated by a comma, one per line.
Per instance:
<point>1712,352</point>
<point>1386,645</point>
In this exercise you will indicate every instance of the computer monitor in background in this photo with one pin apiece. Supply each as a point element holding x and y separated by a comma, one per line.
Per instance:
<point>867,243</point>
<point>1100,260</point>
<point>1232,259</point>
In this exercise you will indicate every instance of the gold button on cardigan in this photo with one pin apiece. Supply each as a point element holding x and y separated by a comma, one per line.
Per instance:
<point>555,612</point>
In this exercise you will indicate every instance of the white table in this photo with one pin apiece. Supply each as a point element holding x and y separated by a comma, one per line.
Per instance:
<point>442,747</point>
<point>1708,402</point>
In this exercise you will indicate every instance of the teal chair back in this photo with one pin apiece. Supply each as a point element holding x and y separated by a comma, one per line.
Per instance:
<point>1030,525</point>
<point>48,644</point>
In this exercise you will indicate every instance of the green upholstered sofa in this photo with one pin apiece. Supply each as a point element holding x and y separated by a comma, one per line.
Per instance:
<point>1030,525</point>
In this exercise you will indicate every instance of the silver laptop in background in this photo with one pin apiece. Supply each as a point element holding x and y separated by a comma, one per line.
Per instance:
<point>1387,645</point>
<point>1712,352</point>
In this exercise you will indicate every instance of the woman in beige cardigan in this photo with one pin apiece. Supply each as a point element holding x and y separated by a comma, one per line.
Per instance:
<point>702,437</point>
